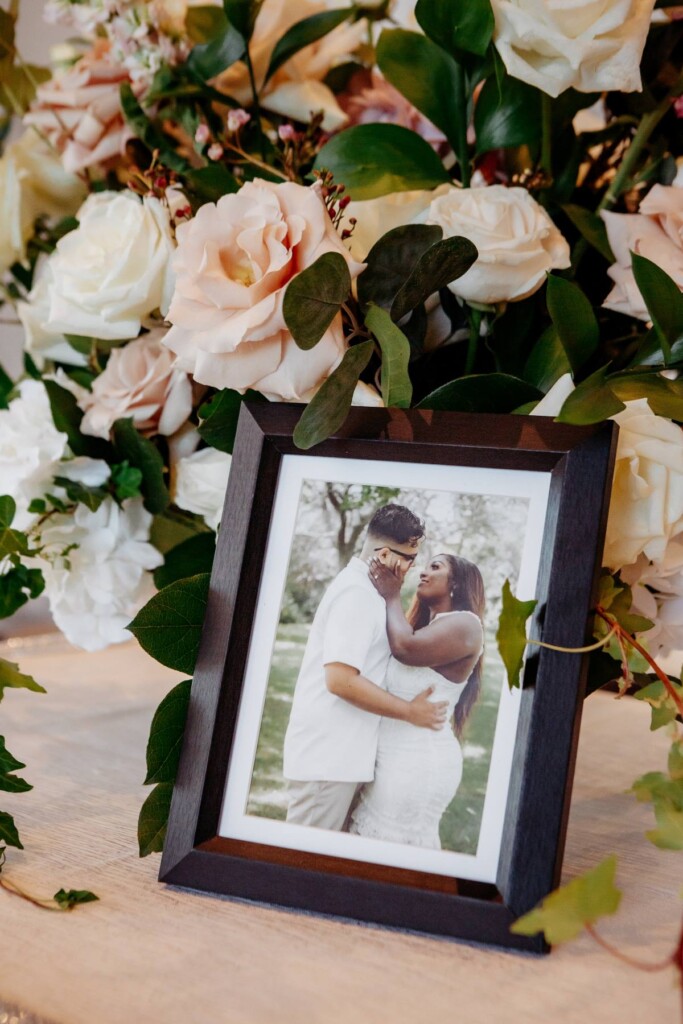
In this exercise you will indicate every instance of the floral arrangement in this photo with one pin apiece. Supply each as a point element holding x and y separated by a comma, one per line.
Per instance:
<point>455,204</point>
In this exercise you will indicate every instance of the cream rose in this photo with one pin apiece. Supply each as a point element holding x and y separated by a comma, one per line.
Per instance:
<point>589,45</point>
<point>647,492</point>
<point>113,270</point>
<point>297,89</point>
<point>39,341</point>
<point>233,264</point>
<point>142,382</point>
<point>200,483</point>
<point>517,241</point>
<point>656,232</point>
<point>33,183</point>
<point>79,110</point>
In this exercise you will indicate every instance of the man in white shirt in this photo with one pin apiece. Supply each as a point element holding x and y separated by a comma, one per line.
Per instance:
<point>331,740</point>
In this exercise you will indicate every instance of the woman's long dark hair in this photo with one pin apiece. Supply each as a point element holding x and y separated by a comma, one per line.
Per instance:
<point>467,594</point>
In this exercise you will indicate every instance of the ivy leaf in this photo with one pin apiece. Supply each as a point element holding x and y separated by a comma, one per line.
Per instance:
<point>669,832</point>
<point>190,558</point>
<point>125,480</point>
<point>314,298</point>
<point>154,819</point>
<point>507,115</point>
<point>663,706</point>
<point>425,74</point>
<point>484,392</point>
<point>166,735</point>
<point>8,831</point>
<point>375,159</point>
<point>8,763</point>
<point>591,401</point>
<point>328,408</point>
<point>67,900</point>
<point>573,319</point>
<point>397,390</point>
<point>14,784</point>
<point>511,635</point>
<point>591,227</point>
<point>8,510</point>
<point>303,33</point>
<point>663,299</point>
<point>91,497</point>
<point>457,24</point>
<point>564,913</point>
<point>443,262</point>
<point>141,453</point>
<point>12,678</point>
<point>169,627</point>
<point>391,261</point>
<point>19,585</point>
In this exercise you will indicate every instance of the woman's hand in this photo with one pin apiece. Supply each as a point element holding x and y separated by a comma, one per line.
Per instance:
<point>387,582</point>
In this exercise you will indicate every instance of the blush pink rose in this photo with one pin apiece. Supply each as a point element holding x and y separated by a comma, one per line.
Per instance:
<point>370,99</point>
<point>142,382</point>
<point>79,110</point>
<point>233,264</point>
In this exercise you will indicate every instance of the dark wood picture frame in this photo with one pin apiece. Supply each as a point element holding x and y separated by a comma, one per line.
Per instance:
<point>580,461</point>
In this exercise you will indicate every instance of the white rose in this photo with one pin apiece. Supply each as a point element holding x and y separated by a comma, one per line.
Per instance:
<point>655,232</point>
<point>40,342</point>
<point>374,217</point>
<point>658,595</point>
<point>33,183</point>
<point>113,270</point>
<point>30,448</point>
<point>646,510</point>
<point>552,402</point>
<point>517,241</point>
<point>581,44</point>
<point>200,483</point>
<point>141,381</point>
<point>96,589</point>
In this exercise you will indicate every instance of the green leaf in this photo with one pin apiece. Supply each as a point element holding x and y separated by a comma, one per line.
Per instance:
<point>375,159</point>
<point>125,480</point>
<point>425,74</point>
<point>8,763</point>
<point>12,542</point>
<point>397,390</point>
<point>591,227</point>
<point>73,898</point>
<point>8,510</point>
<point>242,14</point>
<point>510,116</point>
<point>14,784</point>
<point>6,387</point>
<point>391,261</point>
<point>485,392</point>
<point>511,635</point>
<point>547,361</point>
<point>169,627</point>
<point>328,408</point>
<point>663,299</point>
<point>664,396</point>
<point>142,454</point>
<point>663,706</point>
<point>457,24</point>
<point>190,558</point>
<point>154,818</point>
<point>12,678</point>
<point>67,416</point>
<point>443,262</point>
<point>591,401</point>
<point>208,184</point>
<point>19,585</point>
<point>305,32</point>
<point>91,497</point>
<point>208,59</point>
<point>564,913</point>
<point>669,832</point>
<point>219,419</point>
<point>8,831</point>
<point>314,298</point>
<point>166,735</point>
<point>18,86</point>
<point>204,23</point>
<point>574,320</point>
<point>147,131</point>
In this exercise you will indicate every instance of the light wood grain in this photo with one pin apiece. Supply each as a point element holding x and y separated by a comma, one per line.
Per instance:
<point>153,953</point>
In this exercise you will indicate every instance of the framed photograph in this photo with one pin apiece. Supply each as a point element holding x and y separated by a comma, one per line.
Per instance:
<point>352,746</point>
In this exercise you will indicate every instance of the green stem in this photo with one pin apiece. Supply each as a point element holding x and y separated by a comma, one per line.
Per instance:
<point>547,135</point>
<point>461,127</point>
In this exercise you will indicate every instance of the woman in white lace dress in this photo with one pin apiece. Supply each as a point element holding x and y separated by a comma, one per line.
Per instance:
<point>438,645</point>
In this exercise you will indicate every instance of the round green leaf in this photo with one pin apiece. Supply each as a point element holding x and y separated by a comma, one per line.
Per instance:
<point>314,297</point>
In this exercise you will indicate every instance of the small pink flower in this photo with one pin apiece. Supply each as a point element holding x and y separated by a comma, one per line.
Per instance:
<point>286,133</point>
<point>202,135</point>
<point>237,119</point>
<point>215,152</point>
<point>678,106</point>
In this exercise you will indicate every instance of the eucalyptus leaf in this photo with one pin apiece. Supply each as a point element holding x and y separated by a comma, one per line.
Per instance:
<point>511,635</point>
<point>375,159</point>
<point>303,33</point>
<point>314,297</point>
<point>443,262</point>
<point>564,913</point>
<point>457,24</point>
<point>153,819</point>
<point>663,299</point>
<point>169,627</point>
<point>166,735</point>
<point>397,390</point>
<point>591,227</point>
<point>392,260</point>
<point>328,408</point>
<point>574,320</point>
<point>189,558</point>
<point>485,392</point>
<point>8,831</point>
<point>509,116</point>
<point>12,678</point>
<point>141,453</point>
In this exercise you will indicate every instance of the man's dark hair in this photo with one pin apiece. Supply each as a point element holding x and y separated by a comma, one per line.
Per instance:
<point>397,523</point>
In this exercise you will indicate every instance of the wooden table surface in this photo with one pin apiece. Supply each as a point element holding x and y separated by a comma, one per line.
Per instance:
<point>152,953</point>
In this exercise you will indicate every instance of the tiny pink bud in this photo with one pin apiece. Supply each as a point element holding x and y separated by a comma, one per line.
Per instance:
<point>215,152</point>
<point>201,136</point>
<point>286,133</point>
<point>237,119</point>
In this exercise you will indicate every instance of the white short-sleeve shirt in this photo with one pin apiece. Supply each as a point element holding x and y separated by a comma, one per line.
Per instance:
<point>327,738</point>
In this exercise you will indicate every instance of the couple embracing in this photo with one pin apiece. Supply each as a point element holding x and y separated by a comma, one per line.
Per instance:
<point>371,746</point>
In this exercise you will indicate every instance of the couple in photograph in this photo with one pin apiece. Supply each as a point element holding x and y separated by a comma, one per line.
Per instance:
<point>372,742</point>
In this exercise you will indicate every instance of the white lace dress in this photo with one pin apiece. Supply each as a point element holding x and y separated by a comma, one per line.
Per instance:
<point>417,771</point>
